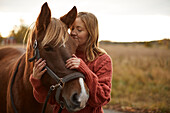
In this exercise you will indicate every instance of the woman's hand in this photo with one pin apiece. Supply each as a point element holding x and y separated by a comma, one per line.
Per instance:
<point>73,63</point>
<point>37,69</point>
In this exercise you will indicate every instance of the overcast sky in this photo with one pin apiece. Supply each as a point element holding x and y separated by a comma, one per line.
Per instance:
<point>137,7</point>
<point>119,20</point>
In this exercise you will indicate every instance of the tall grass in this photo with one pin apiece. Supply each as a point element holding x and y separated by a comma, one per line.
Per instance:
<point>141,76</point>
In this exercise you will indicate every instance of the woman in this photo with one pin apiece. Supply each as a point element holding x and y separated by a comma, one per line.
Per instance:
<point>89,59</point>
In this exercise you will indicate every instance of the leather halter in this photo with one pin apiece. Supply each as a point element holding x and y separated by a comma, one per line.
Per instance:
<point>60,81</point>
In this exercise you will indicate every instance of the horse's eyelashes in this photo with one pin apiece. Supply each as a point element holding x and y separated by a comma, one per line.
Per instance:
<point>48,48</point>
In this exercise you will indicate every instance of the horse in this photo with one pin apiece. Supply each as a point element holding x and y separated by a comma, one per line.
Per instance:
<point>50,40</point>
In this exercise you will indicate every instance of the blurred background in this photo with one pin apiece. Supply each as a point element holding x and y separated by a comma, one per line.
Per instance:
<point>135,33</point>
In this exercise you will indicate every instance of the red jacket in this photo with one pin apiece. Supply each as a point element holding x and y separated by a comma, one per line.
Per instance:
<point>98,76</point>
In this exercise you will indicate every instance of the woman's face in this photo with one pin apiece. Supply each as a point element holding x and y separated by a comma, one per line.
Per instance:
<point>79,33</point>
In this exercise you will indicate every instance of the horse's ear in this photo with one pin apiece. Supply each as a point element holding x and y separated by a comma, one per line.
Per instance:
<point>44,18</point>
<point>70,17</point>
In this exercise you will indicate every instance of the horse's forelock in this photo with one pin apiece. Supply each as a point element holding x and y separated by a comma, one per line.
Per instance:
<point>56,33</point>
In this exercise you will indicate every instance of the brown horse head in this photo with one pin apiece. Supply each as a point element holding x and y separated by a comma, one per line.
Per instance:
<point>55,46</point>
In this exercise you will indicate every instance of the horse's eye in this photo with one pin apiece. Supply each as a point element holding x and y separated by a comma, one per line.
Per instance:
<point>48,48</point>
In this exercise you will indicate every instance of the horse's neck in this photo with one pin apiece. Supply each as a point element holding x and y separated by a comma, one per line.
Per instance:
<point>27,70</point>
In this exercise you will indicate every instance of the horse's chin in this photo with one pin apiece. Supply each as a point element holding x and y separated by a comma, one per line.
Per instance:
<point>72,108</point>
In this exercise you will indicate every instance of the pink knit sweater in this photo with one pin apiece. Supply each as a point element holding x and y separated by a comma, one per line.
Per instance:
<point>98,76</point>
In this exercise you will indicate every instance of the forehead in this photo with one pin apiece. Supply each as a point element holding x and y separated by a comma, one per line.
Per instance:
<point>78,23</point>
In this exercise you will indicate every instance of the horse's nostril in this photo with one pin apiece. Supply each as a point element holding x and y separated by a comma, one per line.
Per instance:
<point>75,99</point>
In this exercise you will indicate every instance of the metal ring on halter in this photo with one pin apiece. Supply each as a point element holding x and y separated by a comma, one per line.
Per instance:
<point>35,44</point>
<point>62,104</point>
<point>54,86</point>
<point>61,83</point>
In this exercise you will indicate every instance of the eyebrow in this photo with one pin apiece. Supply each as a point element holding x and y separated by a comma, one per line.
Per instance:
<point>80,27</point>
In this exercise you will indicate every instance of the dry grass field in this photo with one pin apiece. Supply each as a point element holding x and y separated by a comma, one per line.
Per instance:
<point>141,77</point>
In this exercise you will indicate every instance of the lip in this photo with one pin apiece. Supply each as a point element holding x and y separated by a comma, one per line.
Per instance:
<point>71,108</point>
<point>74,37</point>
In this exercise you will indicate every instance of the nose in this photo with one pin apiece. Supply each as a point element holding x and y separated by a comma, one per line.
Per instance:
<point>78,101</point>
<point>75,100</point>
<point>73,32</point>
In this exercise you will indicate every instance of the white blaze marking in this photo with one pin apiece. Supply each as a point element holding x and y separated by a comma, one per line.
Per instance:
<point>83,95</point>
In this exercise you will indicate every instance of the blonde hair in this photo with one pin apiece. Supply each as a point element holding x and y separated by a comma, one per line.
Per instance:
<point>92,50</point>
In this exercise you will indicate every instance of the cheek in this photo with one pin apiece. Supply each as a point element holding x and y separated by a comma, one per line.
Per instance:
<point>86,36</point>
<point>83,38</point>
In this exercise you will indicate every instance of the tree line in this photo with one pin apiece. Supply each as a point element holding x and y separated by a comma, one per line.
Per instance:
<point>18,33</point>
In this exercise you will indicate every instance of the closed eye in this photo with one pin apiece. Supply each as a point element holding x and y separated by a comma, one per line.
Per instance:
<point>79,30</point>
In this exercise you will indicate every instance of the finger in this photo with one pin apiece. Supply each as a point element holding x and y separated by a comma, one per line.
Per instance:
<point>69,65</point>
<point>70,62</point>
<point>75,62</point>
<point>74,67</point>
<point>73,55</point>
<point>42,72</point>
<point>40,64</point>
<point>37,62</point>
<point>72,59</point>
<point>37,74</point>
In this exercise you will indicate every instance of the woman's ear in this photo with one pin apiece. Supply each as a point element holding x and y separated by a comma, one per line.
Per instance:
<point>44,18</point>
<point>70,17</point>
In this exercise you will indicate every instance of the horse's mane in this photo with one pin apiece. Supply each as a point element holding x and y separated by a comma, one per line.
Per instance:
<point>56,33</point>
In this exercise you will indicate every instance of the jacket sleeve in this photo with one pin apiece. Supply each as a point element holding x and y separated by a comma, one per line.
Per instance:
<point>40,92</point>
<point>99,81</point>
